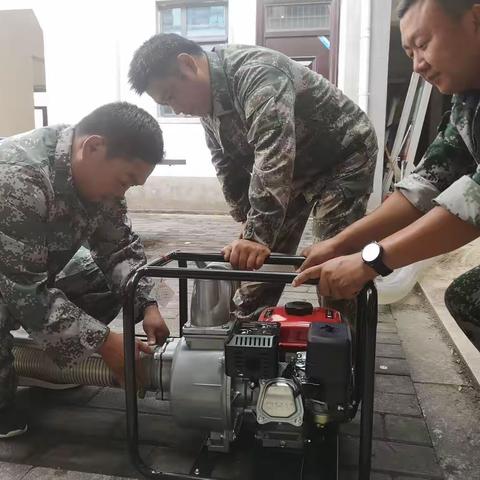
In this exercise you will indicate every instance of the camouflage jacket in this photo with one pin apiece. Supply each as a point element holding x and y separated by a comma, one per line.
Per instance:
<point>277,130</point>
<point>42,225</point>
<point>449,173</point>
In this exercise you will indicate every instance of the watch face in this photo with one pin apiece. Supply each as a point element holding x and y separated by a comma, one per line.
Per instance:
<point>371,252</point>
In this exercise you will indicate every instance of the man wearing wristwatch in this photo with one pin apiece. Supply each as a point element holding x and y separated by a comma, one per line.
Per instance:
<point>436,209</point>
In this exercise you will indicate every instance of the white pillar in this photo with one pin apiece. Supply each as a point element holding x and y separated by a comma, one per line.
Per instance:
<point>348,54</point>
<point>363,67</point>
<point>242,25</point>
<point>377,105</point>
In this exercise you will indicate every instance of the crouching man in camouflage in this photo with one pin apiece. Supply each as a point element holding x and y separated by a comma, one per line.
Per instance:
<point>61,190</point>
<point>437,208</point>
<point>283,140</point>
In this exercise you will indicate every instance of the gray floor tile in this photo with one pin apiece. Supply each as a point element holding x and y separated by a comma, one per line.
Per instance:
<point>103,457</point>
<point>407,429</point>
<point>394,457</point>
<point>397,404</point>
<point>391,366</point>
<point>115,398</point>
<point>31,396</point>
<point>77,421</point>
<point>387,328</point>
<point>394,384</point>
<point>353,475</point>
<point>42,473</point>
<point>390,351</point>
<point>168,460</point>
<point>13,471</point>
<point>353,428</point>
<point>388,338</point>
<point>21,449</point>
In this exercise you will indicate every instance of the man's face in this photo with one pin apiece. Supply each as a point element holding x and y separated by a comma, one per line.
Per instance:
<point>445,50</point>
<point>187,89</point>
<point>181,94</point>
<point>99,178</point>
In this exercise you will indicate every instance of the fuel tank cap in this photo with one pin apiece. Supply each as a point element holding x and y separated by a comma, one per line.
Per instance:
<point>299,308</point>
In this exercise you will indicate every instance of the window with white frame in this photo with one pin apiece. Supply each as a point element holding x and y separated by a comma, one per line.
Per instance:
<point>204,22</point>
<point>297,17</point>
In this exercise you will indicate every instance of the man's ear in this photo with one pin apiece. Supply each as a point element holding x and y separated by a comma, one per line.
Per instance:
<point>476,16</point>
<point>94,145</point>
<point>187,65</point>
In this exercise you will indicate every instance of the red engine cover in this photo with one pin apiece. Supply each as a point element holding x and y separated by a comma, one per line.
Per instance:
<point>295,319</point>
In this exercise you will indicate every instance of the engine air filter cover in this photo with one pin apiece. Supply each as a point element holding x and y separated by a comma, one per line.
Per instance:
<point>252,352</point>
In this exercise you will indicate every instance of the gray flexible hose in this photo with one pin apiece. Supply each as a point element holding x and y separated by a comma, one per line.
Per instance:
<point>32,362</point>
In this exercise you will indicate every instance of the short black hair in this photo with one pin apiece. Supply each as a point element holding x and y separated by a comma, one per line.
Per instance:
<point>156,58</point>
<point>453,8</point>
<point>130,132</point>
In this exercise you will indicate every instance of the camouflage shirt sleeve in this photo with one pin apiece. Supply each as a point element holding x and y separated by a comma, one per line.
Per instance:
<point>267,96</point>
<point>118,251</point>
<point>66,332</point>
<point>234,181</point>
<point>446,161</point>
<point>462,199</point>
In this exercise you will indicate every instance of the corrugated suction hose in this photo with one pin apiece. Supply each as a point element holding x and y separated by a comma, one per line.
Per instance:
<point>31,362</point>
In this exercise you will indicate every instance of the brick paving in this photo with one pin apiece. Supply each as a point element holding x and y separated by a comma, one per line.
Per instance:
<point>79,434</point>
<point>402,446</point>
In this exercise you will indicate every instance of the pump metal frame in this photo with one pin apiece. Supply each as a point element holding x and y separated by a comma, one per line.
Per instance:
<point>366,327</point>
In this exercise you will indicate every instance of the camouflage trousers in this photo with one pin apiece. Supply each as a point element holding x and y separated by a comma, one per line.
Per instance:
<point>462,299</point>
<point>85,285</point>
<point>334,208</point>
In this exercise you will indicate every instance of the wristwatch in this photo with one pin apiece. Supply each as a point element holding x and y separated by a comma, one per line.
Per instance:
<point>372,255</point>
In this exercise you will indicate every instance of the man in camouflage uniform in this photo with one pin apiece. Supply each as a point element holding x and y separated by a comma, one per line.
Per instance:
<point>437,208</point>
<point>62,190</point>
<point>283,140</point>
